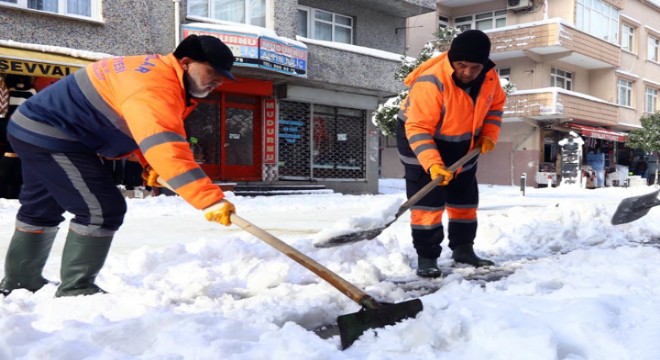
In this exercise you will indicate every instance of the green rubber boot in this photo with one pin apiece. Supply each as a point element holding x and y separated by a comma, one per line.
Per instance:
<point>428,268</point>
<point>26,258</point>
<point>82,259</point>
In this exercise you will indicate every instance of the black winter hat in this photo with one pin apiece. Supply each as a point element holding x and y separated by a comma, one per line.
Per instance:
<point>470,45</point>
<point>205,48</point>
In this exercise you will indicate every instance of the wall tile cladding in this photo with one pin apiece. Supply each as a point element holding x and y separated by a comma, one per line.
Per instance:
<point>371,28</point>
<point>351,69</point>
<point>129,28</point>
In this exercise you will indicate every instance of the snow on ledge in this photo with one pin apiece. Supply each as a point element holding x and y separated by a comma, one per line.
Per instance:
<point>81,54</point>
<point>557,90</point>
<point>247,29</point>
<point>354,49</point>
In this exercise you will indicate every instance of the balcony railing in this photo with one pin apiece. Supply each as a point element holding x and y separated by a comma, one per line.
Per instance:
<point>556,40</point>
<point>559,104</point>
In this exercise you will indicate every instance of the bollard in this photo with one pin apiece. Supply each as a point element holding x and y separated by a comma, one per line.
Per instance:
<point>523,183</point>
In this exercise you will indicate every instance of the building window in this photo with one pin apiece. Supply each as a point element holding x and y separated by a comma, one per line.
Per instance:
<point>561,78</point>
<point>504,73</point>
<point>77,8</point>
<point>627,37</point>
<point>652,49</point>
<point>481,21</point>
<point>325,25</point>
<point>598,18</point>
<point>651,103</point>
<point>624,92</point>
<point>251,12</point>
<point>443,22</point>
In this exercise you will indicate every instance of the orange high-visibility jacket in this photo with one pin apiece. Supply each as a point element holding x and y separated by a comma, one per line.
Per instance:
<point>118,106</point>
<point>441,121</point>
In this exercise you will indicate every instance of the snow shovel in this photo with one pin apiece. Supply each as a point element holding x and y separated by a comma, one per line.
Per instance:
<point>373,314</point>
<point>372,233</point>
<point>633,208</point>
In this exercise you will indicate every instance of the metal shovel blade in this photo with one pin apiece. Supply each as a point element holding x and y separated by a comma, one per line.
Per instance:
<point>633,208</point>
<point>352,237</point>
<point>352,326</point>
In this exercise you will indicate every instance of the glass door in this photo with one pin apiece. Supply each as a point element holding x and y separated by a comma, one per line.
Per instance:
<point>241,138</point>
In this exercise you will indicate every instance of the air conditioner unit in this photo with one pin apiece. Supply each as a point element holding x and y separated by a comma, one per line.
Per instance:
<point>516,5</point>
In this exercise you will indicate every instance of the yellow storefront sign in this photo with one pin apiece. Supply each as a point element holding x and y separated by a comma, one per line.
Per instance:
<point>38,63</point>
<point>31,68</point>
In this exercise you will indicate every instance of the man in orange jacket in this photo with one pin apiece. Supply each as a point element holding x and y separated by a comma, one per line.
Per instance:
<point>113,108</point>
<point>454,105</point>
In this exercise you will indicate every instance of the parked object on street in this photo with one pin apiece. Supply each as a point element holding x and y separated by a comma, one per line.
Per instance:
<point>372,233</point>
<point>633,208</point>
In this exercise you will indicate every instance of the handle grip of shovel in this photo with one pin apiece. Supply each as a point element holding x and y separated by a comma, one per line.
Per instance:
<point>348,289</point>
<point>430,186</point>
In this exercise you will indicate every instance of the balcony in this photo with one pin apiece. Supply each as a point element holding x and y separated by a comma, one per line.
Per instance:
<point>398,8</point>
<point>560,104</point>
<point>553,40</point>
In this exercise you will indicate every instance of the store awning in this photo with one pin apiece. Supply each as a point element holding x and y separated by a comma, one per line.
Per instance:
<point>599,133</point>
<point>37,63</point>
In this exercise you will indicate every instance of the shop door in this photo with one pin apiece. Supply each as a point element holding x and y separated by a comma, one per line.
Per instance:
<point>241,139</point>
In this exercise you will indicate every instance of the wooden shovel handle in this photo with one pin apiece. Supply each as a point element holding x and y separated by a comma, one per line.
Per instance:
<point>430,186</point>
<point>312,265</point>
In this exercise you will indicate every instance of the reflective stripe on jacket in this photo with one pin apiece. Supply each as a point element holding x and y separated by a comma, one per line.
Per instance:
<point>114,105</point>
<point>440,120</point>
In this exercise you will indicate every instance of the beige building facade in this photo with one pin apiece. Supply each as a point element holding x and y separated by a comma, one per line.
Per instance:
<point>588,66</point>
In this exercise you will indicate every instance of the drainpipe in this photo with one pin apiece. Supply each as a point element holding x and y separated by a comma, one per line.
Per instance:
<point>177,22</point>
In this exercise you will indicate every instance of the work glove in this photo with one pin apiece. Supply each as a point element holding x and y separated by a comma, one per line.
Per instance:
<point>150,176</point>
<point>220,212</point>
<point>437,170</point>
<point>485,143</point>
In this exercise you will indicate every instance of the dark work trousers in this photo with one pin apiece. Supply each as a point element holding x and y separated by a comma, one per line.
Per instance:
<point>461,193</point>
<point>10,177</point>
<point>54,182</point>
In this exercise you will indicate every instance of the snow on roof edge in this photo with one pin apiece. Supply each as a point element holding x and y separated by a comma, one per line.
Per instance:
<point>77,53</point>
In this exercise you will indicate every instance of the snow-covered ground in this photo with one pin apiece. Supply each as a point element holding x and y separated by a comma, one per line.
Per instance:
<point>183,288</point>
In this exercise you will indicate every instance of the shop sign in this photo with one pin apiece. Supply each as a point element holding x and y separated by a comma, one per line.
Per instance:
<point>31,68</point>
<point>279,56</point>
<point>245,47</point>
<point>270,139</point>
<point>252,50</point>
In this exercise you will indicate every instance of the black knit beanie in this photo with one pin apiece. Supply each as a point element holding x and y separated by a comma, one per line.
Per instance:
<point>470,45</point>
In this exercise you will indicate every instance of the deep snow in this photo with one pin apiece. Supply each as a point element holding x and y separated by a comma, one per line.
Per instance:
<point>183,288</point>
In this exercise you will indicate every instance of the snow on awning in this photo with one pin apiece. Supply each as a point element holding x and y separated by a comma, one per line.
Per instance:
<point>599,133</point>
<point>42,60</point>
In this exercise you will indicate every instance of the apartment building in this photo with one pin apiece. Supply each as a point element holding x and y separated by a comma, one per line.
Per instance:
<point>310,73</point>
<point>588,66</point>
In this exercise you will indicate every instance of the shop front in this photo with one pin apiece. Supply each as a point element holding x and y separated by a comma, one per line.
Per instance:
<point>603,153</point>
<point>226,131</point>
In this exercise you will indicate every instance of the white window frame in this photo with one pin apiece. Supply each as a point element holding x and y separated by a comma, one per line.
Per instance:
<point>213,13</point>
<point>651,100</point>
<point>311,20</point>
<point>624,92</point>
<point>504,73</point>
<point>443,22</point>
<point>565,76</point>
<point>95,9</point>
<point>467,22</point>
<point>652,47</point>
<point>628,37</point>
<point>598,18</point>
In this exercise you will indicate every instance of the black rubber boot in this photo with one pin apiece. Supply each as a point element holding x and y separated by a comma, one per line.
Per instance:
<point>82,259</point>
<point>465,254</point>
<point>428,268</point>
<point>26,258</point>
